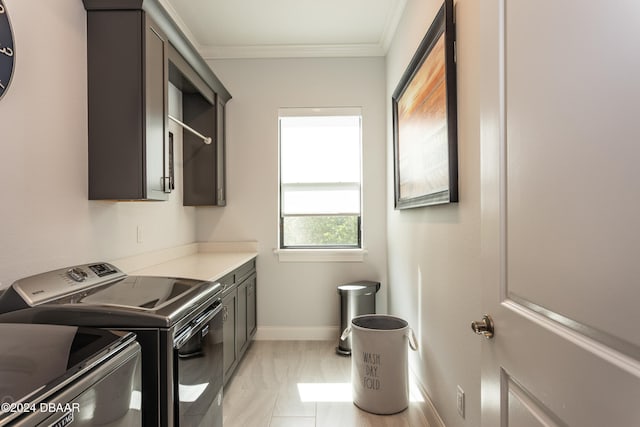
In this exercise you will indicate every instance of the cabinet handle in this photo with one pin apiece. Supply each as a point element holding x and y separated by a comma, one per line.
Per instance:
<point>166,184</point>
<point>225,313</point>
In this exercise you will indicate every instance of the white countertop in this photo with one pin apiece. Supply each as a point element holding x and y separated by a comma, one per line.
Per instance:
<point>202,266</point>
<point>202,261</point>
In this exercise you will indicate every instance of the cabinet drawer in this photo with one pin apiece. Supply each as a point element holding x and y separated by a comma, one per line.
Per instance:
<point>245,270</point>
<point>227,282</point>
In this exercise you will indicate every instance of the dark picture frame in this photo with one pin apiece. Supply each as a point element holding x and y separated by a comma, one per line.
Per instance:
<point>425,137</point>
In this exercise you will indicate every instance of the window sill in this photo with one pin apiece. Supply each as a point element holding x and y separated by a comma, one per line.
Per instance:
<point>320,255</point>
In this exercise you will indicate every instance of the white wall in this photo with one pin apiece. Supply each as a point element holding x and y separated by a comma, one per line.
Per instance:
<point>292,295</point>
<point>434,266</point>
<point>46,221</point>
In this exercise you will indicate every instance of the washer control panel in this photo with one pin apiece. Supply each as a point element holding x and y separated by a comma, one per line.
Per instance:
<point>35,290</point>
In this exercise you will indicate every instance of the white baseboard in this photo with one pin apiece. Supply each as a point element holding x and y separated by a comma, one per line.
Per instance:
<point>433,418</point>
<point>316,333</point>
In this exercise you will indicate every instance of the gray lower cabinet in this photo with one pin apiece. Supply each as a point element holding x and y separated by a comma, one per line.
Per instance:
<point>239,315</point>
<point>229,332</point>
<point>241,320</point>
<point>252,324</point>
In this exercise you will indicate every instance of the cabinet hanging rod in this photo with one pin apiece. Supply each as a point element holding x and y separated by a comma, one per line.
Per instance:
<point>207,139</point>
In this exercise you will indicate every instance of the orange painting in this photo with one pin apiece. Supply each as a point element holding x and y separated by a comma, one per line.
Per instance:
<point>422,131</point>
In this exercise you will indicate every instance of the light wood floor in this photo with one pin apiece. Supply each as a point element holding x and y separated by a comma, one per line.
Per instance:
<point>267,386</point>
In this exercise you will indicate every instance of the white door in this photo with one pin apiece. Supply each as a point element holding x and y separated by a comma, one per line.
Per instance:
<point>560,156</point>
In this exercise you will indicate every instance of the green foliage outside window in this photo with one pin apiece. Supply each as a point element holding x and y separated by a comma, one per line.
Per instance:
<point>328,231</point>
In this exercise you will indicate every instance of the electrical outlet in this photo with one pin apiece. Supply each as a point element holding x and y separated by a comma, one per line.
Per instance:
<point>460,401</point>
<point>139,236</point>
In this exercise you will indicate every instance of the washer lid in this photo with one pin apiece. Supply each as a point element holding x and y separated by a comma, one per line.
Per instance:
<point>140,292</point>
<point>134,301</point>
<point>37,360</point>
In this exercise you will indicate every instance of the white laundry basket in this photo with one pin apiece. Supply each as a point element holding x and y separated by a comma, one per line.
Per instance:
<point>379,362</point>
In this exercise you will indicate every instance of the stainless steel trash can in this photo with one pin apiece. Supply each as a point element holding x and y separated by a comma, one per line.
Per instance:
<point>356,298</point>
<point>379,365</point>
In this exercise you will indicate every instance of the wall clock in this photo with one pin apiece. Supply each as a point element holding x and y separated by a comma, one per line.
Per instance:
<point>7,52</point>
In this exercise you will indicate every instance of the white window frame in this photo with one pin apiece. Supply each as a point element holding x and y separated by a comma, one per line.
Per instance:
<point>321,254</point>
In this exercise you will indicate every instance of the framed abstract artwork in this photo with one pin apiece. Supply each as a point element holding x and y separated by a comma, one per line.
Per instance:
<point>425,120</point>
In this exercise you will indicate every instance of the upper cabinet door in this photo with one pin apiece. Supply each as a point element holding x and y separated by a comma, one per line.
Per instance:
<point>221,160</point>
<point>156,107</point>
<point>127,85</point>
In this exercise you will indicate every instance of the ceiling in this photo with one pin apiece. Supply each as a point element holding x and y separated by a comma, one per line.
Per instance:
<point>287,28</point>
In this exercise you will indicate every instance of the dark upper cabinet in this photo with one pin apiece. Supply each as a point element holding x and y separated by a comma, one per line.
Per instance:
<point>203,110</point>
<point>221,161</point>
<point>133,50</point>
<point>127,93</point>
<point>203,165</point>
<point>199,161</point>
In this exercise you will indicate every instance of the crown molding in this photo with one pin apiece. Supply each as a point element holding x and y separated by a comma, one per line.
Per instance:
<point>291,51</point>
<point>179,22</point>
<point>211,52</point>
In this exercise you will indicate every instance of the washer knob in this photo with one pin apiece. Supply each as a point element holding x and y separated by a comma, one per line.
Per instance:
<point>76,274</point>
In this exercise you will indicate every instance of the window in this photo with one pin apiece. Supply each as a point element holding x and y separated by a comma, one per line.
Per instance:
<point>320,178</point>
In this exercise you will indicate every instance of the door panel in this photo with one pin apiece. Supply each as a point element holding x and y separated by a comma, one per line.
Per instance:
<point>523,408</point>
<point>572,158</point>
<point>560,195</point>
